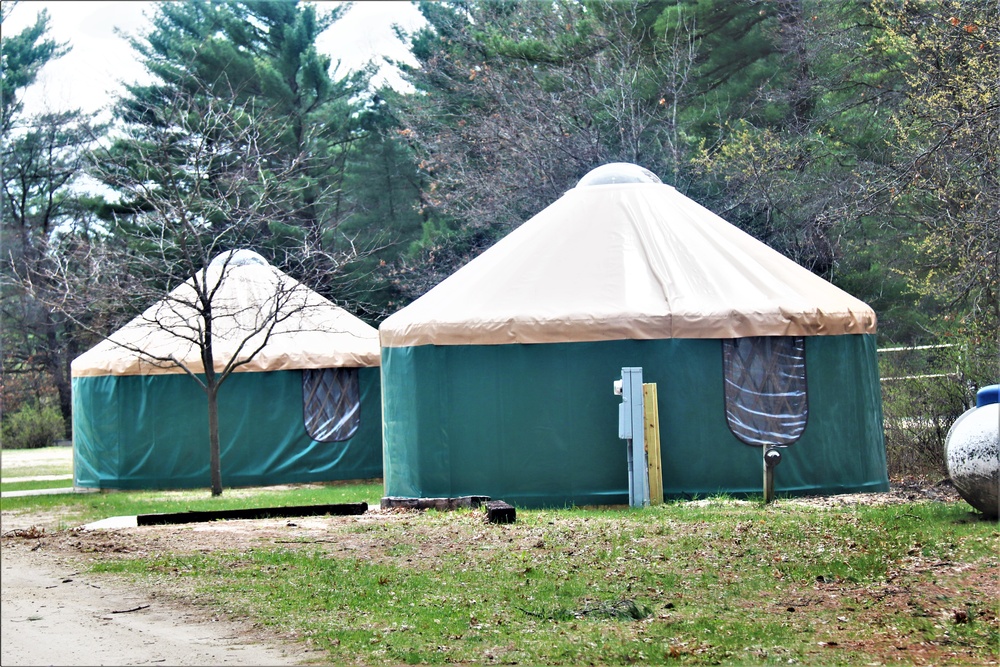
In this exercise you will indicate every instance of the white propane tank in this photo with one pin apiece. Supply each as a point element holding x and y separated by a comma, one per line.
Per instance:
<point>972,454</point>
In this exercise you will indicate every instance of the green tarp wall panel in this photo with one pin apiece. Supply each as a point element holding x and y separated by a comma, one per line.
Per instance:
<point>537,425</point>
<point>151,432</point>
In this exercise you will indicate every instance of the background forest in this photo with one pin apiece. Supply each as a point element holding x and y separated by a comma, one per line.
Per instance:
<point>861,139</point>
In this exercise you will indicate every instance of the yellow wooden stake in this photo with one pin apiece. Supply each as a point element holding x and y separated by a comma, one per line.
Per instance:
<point>651,425</point>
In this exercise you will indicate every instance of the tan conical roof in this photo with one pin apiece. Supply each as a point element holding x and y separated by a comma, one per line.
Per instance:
<point>310,331</point>
<point>626,260</point>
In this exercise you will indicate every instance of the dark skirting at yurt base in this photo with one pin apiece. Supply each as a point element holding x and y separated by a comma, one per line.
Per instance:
<point>151,432</point>
<point>537,424</point>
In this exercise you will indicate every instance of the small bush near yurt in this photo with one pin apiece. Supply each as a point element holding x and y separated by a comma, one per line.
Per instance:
<point>924,390</point>
<point>33,426</point>
<point>918,414</point>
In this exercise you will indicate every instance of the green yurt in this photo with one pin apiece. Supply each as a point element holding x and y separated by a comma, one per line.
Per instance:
<point>304,408</point>
<point>499,381</point>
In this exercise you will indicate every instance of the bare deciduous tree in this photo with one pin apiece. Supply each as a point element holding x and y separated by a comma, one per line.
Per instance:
<point>204,183</point>
<point>524,99</point>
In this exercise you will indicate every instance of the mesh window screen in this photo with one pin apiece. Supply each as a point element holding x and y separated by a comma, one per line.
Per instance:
<point>766,388</point>
<point>332,404</point>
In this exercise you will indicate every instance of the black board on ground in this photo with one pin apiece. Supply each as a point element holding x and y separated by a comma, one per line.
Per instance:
<point>340,509</point>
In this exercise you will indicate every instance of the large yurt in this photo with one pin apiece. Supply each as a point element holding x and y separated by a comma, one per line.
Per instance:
<point>499,380</point>
<point>302,405</point>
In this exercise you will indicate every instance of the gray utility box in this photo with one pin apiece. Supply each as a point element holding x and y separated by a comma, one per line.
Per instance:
<point>631,429</point>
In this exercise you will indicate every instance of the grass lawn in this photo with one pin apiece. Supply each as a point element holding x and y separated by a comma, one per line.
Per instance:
<point>36,462</point>
<point>710,582</point>
<point>34,484</point>
<point>717,582</point>
<point>79,509</point>
<point>723,583</point>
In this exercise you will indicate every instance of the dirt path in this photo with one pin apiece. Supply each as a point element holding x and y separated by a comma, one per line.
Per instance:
<point>53,615</point>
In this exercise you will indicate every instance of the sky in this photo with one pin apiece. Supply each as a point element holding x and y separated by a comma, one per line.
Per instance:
<point>90,75</point>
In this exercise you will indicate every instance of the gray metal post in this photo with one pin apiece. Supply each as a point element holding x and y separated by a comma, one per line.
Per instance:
<point>772,457</point>
<point>631,427</point>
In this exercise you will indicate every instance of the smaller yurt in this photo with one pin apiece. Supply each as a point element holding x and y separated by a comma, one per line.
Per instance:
<point>499,380</point>
<point>303,405</point>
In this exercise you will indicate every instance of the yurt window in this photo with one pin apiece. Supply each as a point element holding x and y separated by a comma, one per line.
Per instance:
<point>765,381</point>
<point>332,403</point>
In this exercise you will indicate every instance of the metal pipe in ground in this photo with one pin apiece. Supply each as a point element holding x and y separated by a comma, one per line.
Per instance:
<point>772,457</point>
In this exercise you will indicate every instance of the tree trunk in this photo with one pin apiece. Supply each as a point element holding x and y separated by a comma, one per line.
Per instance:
<point>211,394</point>
<point>215,459</point>
<point>57,359</point>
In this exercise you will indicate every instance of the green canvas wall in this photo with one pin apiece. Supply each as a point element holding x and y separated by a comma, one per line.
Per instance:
<point>537,425</point>
<point>151,432</point>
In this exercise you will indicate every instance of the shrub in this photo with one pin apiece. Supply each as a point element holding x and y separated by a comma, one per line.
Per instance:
<point>924,390</point>
<point>918,414</point>
<point>33,426</point>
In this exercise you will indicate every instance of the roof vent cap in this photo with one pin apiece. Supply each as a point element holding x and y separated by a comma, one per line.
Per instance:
<point>241,257</point>
<point>618,172</point>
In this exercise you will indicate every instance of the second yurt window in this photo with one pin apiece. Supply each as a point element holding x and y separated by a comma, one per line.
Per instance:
<point>765,387</point>
<point>332,403</point>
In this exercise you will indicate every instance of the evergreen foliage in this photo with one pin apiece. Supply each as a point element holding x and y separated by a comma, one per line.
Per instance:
<point>858,138</point>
